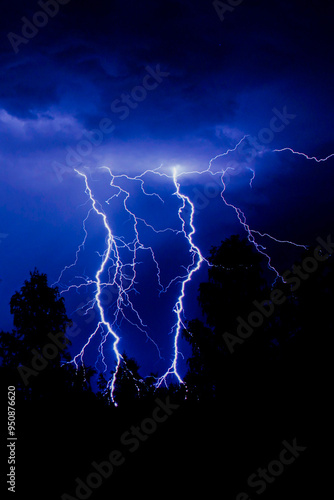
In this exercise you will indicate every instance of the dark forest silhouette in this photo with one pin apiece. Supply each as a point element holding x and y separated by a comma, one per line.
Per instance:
<point>243,394</point>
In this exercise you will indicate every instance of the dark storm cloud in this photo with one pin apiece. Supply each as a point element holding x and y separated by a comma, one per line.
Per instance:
<point>222,75</point>
<point>224,80</point>
<point>87,56</point>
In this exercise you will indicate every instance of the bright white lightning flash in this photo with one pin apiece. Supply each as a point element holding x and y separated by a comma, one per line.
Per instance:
<point>122,276</point>
<point>197,260</point>
<point>111,248</point>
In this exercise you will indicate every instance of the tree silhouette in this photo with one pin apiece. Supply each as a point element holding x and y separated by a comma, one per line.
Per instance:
<point>38,344</point>
<point>236,393</point>
<point>128,382</point>
<point>314,296</point>
<point>37,309</point>
<point>103,390</point>
<point>236,281</point>
<point>82,379</point>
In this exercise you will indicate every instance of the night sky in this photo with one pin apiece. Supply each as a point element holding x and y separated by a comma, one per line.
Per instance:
<point>134,86</point>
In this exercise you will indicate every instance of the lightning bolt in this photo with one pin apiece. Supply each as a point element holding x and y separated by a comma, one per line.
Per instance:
<point>196,261</point>
<point>313,158</point>
<point>251,232</point>
<point>241,215</point>
<point>121,274</point>
<point>121,278</point>
<point>111,249</point>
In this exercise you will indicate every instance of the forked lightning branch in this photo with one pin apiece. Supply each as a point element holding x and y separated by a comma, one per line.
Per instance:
<point>122,275</point>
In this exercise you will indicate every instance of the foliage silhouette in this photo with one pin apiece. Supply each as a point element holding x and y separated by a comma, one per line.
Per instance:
<point>236,281</point>
<point>39,318</point>
<point>232,403</point>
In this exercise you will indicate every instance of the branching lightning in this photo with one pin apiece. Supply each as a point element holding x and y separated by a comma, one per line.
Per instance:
<point>312,158</point>
<point>120,274</point>
<point>111,248</point>
<point>196,261</point>
<point>123,275</point>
